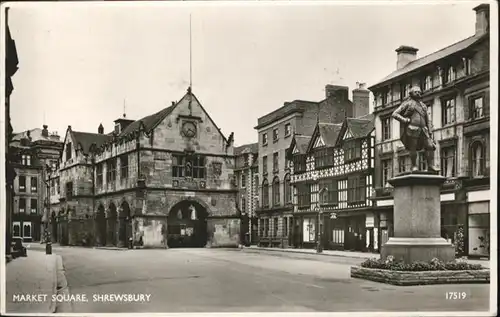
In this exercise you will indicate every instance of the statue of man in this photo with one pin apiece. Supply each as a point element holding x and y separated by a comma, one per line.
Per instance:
<point>416,132</point>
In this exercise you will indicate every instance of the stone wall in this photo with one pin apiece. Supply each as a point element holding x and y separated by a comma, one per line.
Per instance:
<point>421,278</point>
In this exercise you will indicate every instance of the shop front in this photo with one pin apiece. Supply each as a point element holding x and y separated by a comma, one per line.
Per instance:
<point>479,229</point>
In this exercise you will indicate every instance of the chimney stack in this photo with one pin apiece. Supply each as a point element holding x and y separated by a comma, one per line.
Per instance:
<point>482,19</point>
<point>338,92</point>
<point>45,132</point>
<point>100,129</point>
<point>406,55</point>
<point>361,100</point>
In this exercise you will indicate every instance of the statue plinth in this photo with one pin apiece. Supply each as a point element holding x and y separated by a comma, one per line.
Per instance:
<point>417,219</point>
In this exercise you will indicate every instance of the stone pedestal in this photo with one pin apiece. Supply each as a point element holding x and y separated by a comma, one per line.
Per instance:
<point>417,220</point>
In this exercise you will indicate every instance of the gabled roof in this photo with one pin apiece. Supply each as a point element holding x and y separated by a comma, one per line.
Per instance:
<point>328,132</point>
<point>86,139</point>
<point>300,142</point>
<point>148,122</point>
<point>247,148</point>
<point>431,58</point>
<point>357,127</point>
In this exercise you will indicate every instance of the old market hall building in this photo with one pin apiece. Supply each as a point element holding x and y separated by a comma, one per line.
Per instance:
<point>456,89</point>
<point>163,181</point>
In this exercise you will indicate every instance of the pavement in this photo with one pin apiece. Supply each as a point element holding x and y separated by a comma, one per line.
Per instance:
<point>239,280</point>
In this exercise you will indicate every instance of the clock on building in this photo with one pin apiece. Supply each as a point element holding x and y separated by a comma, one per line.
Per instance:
<point>189,129</point>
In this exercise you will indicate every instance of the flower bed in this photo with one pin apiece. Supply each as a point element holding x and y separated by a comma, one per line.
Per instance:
<point>433,265</point>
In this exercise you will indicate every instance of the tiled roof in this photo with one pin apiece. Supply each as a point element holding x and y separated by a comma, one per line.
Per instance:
<point>247,148</point>
<point>149,122</point>
<point>86,139</point>
<point>361,126</point>
<point>329,132</point>
<point>431,58</point>
<point>302,142</point>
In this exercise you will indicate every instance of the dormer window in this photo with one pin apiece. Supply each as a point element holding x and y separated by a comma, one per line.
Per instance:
<point>117,128</point>
<point>68,151</point>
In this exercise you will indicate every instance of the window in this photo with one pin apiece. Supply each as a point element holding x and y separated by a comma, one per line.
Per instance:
<point>26,159</point>
<point>477,107</point>
<point>243,205</point>
<point>265,193</point>
<point>22,183</point>
<point>264,165</point>
<point>450,75</point>
<point>275,135</point>
<point>448,106</point>
<point>68,151</point>
<point>384,95</point>
<point>276,227</point>
<point>195,166</point>
<point>352,150</point>
<point>323,158</point>
<point>16,229</point>
<point>309,230</point>
<point>22,205</point>
<point>404,163</point>
<point>468,66</point>
<point>276,191</point>
<point>386,171</point>
<point>386,128</point>
<point>111,170</point>
<point>448,161</point>
<point>288,189</point>
<point>275,162</point>
<point>243,180</point>
<point>27,229</point>
<point>405,89</point>
<point>245,159</point>
<point>69,190</point>
<point>264,139</point>
<point>299,163</point>
<point>34,184</point>
<point>426,83</point>
<point>34,206</point>
<point>100,179</point>
<point>124,166</point>
<point>177,166</point>
<point>477,155</point>
<point>356,191</point>
<point>288,130</point>
<point>330,196</point>
<point>285,227</point>
<point>304,195</point>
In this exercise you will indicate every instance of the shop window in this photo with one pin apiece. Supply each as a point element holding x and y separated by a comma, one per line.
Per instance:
<point>309,230</point>
<point>16,229</point>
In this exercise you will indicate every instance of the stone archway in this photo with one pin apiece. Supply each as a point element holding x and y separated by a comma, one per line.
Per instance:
<point>187,225</point>
<point>125,225</point>
<point>111,220</point>
<point>100,221</point>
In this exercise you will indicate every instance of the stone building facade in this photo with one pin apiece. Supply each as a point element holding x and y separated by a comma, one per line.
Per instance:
<point>36,152</point>
<point>246,173</point>
<point>276,131</point>
<point>163,181</point>
<point>456,88</point>
<point>332,182</point>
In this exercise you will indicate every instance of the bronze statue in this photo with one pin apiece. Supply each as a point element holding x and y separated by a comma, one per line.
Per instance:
<point>416,132</point>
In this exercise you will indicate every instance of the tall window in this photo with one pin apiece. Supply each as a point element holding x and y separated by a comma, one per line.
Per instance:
<point>243,180</point>
<point>330,196</point>
<point>195,166</point>
<point>26,159</point>
<point>288,189</point>
<point>352,150</point>
<point>276,162</point>
<point>386,128</point>
<point>386,171</point>
<point>477,155</point>
<point>34,206</point>
<point>404,163</point>
<point>264,165</point>
<point>243,205</point>
<point>275,135</point>
<point>276,191</point>
<point>265,193</point>
<point>323,157</point>
<point>450,74</point>
<point>99,173</point>
<point>477,107</point>
<point>304,195</point>
<point>68,151</point>
<point>448,164</point>
<point>405,89</point>
<point>69,190</point>
<point>111,172</point>
<point>426,83</point>
<point>177,165</point>
<point>356,189</point>
<point>264,139</point>
<point>34,184</point>
<point>276,227</point>
<point>448,106</point>
<point>288,130</point>
<point>22,205</point>
<point>383,97</point>
<point>124,166</point>
<point>22,183</point>
<point>299,163</point>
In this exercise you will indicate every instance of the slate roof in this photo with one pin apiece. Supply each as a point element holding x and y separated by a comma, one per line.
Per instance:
<point>329,132</point>
<point>301,142</point>
<point>86,139</point>
<point>431,58</point>
<point>149,122</point>
<point>361,126</point>
<point>247,148</point>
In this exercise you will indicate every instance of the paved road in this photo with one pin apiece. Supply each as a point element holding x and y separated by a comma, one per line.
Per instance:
<point>216,280</point>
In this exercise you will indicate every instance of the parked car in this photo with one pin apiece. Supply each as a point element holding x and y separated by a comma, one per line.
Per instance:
<point>18,248</point>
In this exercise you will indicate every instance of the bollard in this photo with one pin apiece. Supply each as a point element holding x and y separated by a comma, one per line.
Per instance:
<point>48,248</point>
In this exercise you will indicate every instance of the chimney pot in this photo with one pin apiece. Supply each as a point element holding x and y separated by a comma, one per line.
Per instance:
<point>406,55</point>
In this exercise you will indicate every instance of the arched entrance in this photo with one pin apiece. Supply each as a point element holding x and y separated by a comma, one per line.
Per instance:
<point>100,222</point>
<point>111,225</point>
<point>187,225</point>
<point>125,224</point>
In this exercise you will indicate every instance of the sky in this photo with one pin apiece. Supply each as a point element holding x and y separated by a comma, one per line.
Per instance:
<point>80,63</point>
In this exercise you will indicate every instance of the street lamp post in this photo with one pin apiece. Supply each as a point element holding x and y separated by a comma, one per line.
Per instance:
<point>320,219</point>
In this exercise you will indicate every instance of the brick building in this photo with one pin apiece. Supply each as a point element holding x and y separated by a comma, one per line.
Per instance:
<point>276,131</point>
<point>246,173</point>
<point>163,181</point>
<point>36,151</point>
<point>455,85</point>
<point>332,181</point>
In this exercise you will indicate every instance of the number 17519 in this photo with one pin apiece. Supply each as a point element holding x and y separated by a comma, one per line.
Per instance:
<point>456,295</point>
